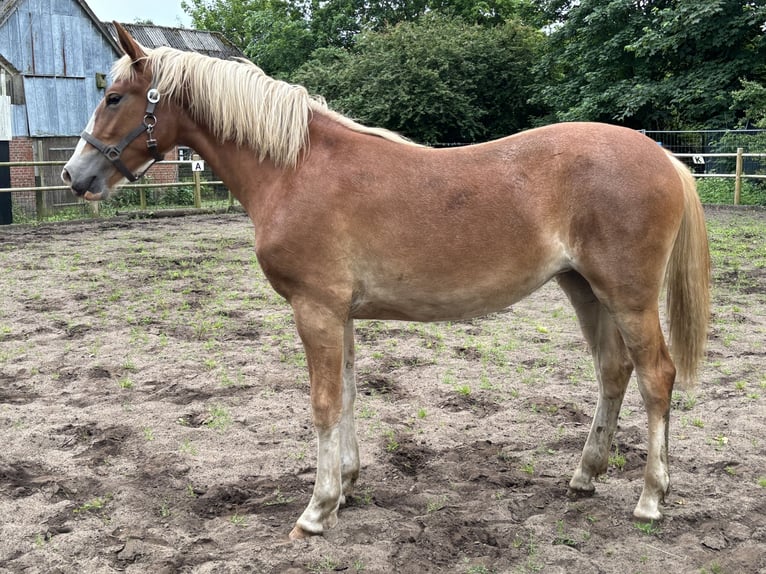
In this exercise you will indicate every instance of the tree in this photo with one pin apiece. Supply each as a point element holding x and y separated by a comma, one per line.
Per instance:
<point>751,100</point>
<point>435,80</point>
<point>274,34</point>
<point>279,35</point>
<point>280,42</point>
<point>339,22</point>
<point>494,12</point>
<point>653,63</point>
<point>229,17</point>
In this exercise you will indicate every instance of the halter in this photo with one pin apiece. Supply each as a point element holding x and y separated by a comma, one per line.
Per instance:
<point>113,152</point>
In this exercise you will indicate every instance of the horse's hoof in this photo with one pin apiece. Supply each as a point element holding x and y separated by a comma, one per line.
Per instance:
<point>578,493</point>
<point>647,515</point>
<point>299,533</point>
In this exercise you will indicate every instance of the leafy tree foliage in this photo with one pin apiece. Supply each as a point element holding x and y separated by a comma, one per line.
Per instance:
<point>653,63</point>
<point>273,33</point>
<point>465,70</point>
<point>279,35</point>
<point>339,22</point>
<point>435,80</point>
<point>229,17</point>
<point>751,99</point>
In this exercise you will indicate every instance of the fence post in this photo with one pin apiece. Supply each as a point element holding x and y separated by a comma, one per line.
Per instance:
<point>41,205</point>
<point>738,177</point>
<point>197,189</point>
<point>6,199</point>
<point>142,198</point>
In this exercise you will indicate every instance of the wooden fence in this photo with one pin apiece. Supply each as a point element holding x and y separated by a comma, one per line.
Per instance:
<point>697,162</point>
<point>200,179</point>
<point>739,167</point>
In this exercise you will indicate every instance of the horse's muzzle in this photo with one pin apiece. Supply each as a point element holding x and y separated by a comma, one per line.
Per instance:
<point>79,188</point>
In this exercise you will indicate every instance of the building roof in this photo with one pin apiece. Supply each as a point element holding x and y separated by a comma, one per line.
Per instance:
<point>202,41</point>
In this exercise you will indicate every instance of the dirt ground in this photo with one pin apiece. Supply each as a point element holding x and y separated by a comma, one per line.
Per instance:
<point>154,417</point>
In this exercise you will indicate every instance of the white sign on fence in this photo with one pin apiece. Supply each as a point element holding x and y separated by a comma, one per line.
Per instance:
<point>198,165</point>
<point>698,160</point>
<point>6,133</point>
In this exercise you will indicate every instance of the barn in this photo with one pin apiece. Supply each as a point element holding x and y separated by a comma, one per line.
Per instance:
<point>55,56</point>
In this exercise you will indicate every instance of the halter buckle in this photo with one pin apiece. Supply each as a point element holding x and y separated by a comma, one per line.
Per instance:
<point>112,153</point>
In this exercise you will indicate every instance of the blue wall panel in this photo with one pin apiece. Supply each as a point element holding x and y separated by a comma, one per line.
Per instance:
<point>58,49</point>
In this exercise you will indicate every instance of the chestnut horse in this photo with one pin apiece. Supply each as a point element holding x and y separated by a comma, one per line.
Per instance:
<point>353,222</point>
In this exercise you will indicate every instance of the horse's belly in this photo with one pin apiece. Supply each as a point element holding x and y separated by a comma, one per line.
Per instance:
<point>440,302</point>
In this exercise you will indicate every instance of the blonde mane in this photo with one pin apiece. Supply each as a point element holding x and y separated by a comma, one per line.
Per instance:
<point>240,103</point>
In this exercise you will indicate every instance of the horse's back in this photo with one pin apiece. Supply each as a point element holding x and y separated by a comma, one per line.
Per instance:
<point>460,232</point>
<point>580,159</point>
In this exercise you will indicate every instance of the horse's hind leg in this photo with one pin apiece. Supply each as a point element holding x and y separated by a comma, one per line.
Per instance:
<point>656,375</point>
<point>613,370</point>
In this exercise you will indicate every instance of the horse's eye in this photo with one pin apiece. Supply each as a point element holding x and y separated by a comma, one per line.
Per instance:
<point>113,99</point>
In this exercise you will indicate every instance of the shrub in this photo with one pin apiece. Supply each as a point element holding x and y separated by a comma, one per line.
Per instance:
<point>721,191</point>
<point>177,196</point>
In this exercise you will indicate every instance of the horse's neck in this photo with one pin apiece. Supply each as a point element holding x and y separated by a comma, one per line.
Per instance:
<point>238,167</point>
<point>255,183</point>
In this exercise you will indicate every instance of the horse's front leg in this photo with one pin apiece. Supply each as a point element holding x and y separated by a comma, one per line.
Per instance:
<point>322,334</point>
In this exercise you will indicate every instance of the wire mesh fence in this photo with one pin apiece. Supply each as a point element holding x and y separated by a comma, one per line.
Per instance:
<point>697,143</point>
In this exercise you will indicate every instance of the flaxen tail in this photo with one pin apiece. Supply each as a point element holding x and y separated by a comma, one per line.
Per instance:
<point>688,285</point>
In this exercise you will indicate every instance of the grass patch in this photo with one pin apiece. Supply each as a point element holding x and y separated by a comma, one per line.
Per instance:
<point>218,418</point>
<point>648,528</point>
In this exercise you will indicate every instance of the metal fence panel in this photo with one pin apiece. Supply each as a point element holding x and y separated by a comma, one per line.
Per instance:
<point>699,142</point>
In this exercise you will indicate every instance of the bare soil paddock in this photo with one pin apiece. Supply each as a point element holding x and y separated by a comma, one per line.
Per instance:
<point>154,418</point>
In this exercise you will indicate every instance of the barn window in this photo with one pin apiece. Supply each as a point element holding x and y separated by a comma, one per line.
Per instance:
<point>13,86</point>
<point>17,90</point>
<point>11,83</point>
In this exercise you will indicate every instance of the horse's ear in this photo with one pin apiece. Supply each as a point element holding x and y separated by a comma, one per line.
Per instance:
<point>132,48</point>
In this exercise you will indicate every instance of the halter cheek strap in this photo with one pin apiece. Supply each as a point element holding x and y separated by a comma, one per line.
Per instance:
<point>112,152</point>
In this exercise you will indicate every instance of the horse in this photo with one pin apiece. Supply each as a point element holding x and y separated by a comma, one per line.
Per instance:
<point>355,222</point>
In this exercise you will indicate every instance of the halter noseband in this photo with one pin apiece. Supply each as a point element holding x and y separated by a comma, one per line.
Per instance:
<point>113,152</point>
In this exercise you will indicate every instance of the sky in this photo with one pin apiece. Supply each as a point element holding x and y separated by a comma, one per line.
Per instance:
<point>160,12</point>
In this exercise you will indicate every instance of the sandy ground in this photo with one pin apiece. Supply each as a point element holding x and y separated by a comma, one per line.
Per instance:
<point>154,418</point>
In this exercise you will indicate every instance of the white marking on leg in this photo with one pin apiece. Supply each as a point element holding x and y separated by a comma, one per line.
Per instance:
<point>322,511</point>
<point>656,475</point>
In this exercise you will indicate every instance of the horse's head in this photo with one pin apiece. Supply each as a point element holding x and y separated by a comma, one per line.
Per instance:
<point>126,134</point>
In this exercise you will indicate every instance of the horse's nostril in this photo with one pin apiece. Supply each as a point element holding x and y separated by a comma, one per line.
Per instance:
<point>80,187</point>
<point>65,177</point>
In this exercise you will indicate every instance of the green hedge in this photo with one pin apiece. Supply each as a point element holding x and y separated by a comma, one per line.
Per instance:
<point>721,191</point>
<point>170,196</point>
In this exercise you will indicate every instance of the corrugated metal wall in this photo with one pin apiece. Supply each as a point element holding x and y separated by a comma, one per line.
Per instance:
<point>58,49</point>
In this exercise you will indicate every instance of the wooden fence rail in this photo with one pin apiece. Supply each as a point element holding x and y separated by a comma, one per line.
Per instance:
<point>738,175</point>
<point>142,187</point>
<point>739,163</point>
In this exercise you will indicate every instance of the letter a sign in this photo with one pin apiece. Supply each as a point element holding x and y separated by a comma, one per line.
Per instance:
<point>198,165</point>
